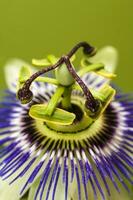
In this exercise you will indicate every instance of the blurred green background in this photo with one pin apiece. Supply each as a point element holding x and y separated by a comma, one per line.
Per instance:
<point>35,28</point>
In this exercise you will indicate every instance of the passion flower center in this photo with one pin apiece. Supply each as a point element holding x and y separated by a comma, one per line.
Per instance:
<point>77,111</point>
<point>68,114</point>
<point>81,126</point>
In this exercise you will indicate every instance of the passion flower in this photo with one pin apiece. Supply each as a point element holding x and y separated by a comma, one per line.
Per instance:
<point>74,136</point>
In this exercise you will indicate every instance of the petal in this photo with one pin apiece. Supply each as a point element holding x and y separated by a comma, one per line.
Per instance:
<point>14,189</point>
<point>9,193</point>
<point>59,192</point>
<point>123,195</point>
<point>11,69</point>
<point>55,178</point>
<point>108,56</point>
<point>33,189</point>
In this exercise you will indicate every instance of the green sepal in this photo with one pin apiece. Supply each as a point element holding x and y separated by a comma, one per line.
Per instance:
<point>59,116</point>
<point>41,62</point>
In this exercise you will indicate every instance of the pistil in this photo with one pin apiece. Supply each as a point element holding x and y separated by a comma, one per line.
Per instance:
<point>66,77</point>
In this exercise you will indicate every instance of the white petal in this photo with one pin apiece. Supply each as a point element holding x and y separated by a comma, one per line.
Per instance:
<point>108,56</point>
<point>12,192</point>
<point>11,69</point>
<point>7,192</point>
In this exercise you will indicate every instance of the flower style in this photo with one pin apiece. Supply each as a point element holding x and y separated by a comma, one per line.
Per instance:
<point>66,153</point>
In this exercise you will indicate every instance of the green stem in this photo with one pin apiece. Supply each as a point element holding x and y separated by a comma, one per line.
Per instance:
<point>54,101</point>
<point>66,101</point>
<point>89,68</point>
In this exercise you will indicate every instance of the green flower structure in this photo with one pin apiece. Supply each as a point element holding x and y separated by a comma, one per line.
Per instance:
<point>69,135</point>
